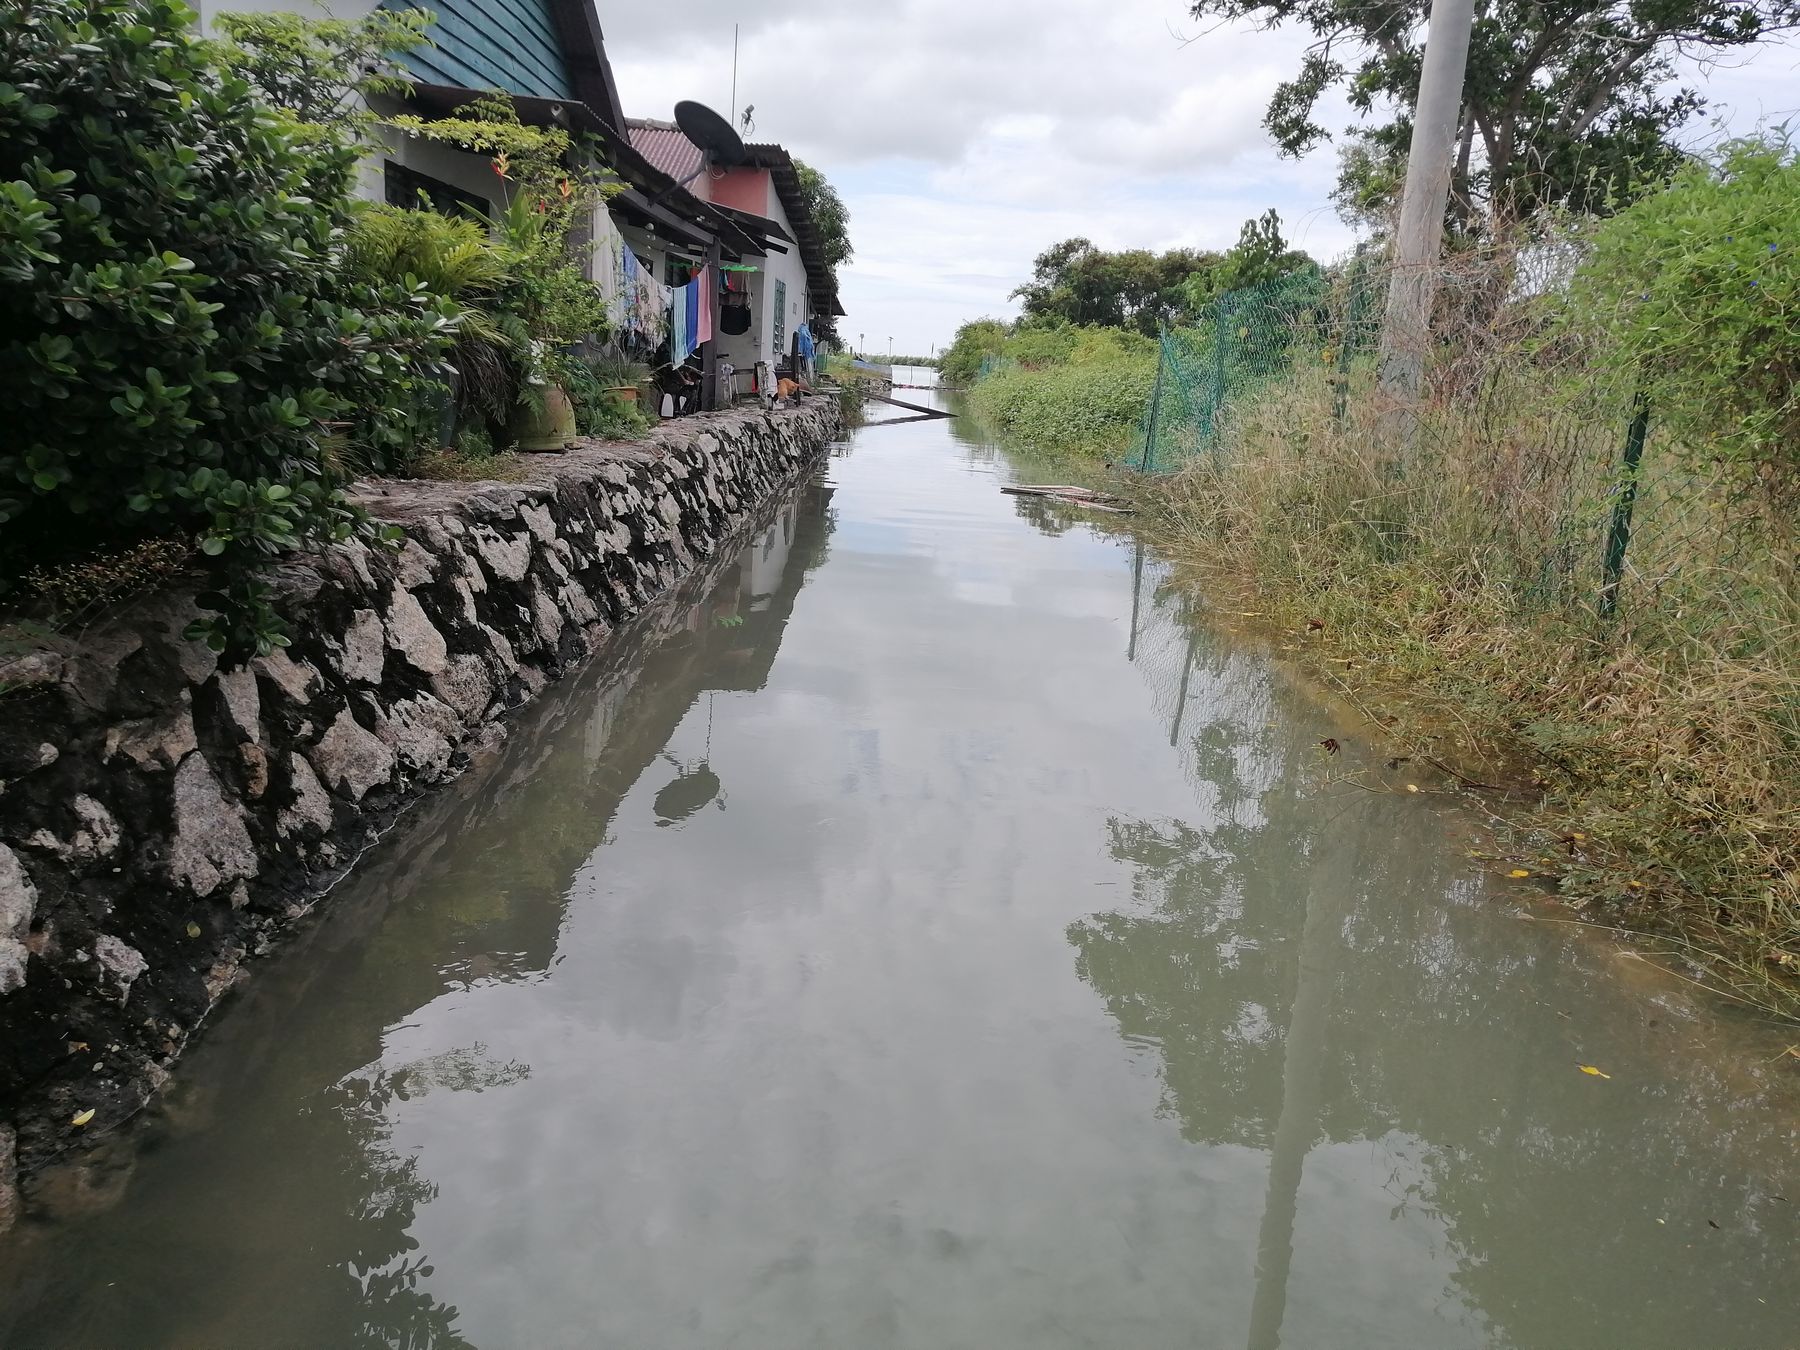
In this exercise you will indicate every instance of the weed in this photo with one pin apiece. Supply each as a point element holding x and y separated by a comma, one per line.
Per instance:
<point>1069,389</point>
<point>1668,740</point>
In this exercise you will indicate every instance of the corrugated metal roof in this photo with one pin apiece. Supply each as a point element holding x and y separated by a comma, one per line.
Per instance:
<point>664,146</point>
<point>668,149</point>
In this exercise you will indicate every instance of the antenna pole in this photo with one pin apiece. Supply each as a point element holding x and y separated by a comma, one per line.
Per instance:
<point>734,53</point>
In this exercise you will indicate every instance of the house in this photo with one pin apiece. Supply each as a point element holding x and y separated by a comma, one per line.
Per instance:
<point>549,56</point>
<point>792,283</point>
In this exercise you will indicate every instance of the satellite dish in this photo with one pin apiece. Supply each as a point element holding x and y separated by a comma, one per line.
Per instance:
<point>712,133</point>
<point>690,791</point>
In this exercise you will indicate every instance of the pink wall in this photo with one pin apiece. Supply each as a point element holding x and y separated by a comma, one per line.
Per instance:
<point>744,190</point>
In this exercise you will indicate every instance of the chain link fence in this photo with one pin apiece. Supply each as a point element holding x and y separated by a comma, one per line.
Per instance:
<point>1528,447</point>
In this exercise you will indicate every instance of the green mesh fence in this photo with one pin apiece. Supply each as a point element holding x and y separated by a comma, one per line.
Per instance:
<point>1247,340</point>
<point>1543,458</point>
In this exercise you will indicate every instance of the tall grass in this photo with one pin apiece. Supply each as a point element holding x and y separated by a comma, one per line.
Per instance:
<point>1068,389</point>
<point>1464,571</point>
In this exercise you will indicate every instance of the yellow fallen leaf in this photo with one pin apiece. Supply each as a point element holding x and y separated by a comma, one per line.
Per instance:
<point>1518,872</point>
<point>1412,787</point>
<point>193,929</point>
<point>1590,1069</point>
<point>82,1117</point>
<point>1634,885</point>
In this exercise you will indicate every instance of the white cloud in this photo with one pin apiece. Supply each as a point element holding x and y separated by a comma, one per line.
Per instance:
<point>969,135</point>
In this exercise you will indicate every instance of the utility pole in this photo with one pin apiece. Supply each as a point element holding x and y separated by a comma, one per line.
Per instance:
<point>710,394</point>
<point>1406,334</point>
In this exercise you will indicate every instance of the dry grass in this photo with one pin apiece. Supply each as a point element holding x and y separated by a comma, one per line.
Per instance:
<point>76,589</point>
<point>453,466</point>
<point>1664,743</point>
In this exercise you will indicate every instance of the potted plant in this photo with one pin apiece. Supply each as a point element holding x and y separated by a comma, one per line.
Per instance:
<point>618,376</point>
<point>551,302</point>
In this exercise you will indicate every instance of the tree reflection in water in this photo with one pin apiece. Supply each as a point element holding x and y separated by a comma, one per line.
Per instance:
<point>1314,968</point>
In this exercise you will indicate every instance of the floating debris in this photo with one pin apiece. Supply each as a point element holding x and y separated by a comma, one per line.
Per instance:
<point>1077,496</point>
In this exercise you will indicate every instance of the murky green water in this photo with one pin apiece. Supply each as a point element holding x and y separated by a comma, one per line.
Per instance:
<point>933,941</point>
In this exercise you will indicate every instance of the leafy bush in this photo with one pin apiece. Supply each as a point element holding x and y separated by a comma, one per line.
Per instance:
<point>1089,400</point>
<point>1039,345</point>
<point>599,410</point>
<point>182,340</point>
<point>540,227</point>
<point>455,259</point>
<point>1698,286</point>
<point>975,342</point>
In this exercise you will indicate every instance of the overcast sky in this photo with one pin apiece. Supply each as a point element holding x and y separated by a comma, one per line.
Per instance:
<point>968,135</point>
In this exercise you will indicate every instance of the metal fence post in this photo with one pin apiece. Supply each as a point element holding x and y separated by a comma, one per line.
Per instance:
<point>1618,538</point>
<point>1162,358</point>
<point>1340,401</point>
<point>1221,312</point>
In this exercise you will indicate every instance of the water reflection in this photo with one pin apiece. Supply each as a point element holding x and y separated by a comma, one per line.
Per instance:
<point>1314,974</point>
<point>472,901</point>
<point>948,945</point>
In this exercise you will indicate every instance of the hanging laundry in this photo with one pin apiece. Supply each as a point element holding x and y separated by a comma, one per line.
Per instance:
<point>803,336</point>
<point>706,298</point>
<point>679,347</point>
<point>638,304</point>
<point>685,307</point>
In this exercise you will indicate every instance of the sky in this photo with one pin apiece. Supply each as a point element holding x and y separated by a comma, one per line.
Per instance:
<point>966,136</point>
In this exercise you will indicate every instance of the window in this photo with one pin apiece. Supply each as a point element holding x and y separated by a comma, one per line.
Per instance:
<point>410,188</point>
<point>780,319</point>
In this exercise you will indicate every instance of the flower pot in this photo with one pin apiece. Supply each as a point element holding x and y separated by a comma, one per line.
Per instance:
<point>549,430</point>
<point>625,393</point>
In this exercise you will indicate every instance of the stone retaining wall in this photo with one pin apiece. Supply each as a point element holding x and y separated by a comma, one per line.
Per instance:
<point>162,819</point>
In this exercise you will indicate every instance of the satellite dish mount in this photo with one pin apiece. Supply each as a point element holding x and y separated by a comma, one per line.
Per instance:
<point>719,145</point>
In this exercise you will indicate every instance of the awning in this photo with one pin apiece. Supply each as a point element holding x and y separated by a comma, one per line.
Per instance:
<point>678,213</point>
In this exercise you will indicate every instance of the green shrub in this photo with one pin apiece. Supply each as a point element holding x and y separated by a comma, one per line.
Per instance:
<point>1091,403</point>
<point>1698,286</point>
<point>975,342</point>
<point>599,410</point>
<point>453,258</point>
<point>182,340</point>
<point>540,229</point>
<point>1038,346</point>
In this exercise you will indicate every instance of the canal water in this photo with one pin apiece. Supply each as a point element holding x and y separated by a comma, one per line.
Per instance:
<point>931,932</point>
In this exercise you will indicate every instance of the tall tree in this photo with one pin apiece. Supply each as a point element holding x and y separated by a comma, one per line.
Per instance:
<point>1077,283</point>
<point>1566,101</point>
<point>832,220</point>
<point>1261,255</point>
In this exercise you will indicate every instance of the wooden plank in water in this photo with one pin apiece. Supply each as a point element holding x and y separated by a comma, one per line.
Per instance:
<point>1075,496</point>
<point>902,421</point>
<point>910,407</point>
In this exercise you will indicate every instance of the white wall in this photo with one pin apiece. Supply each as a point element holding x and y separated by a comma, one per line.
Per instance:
<point>209,10</point>
<point>785,267</point>
<point>460,169</point>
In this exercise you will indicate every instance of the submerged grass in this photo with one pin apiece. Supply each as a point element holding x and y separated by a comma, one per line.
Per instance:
<point>1663,742</point>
